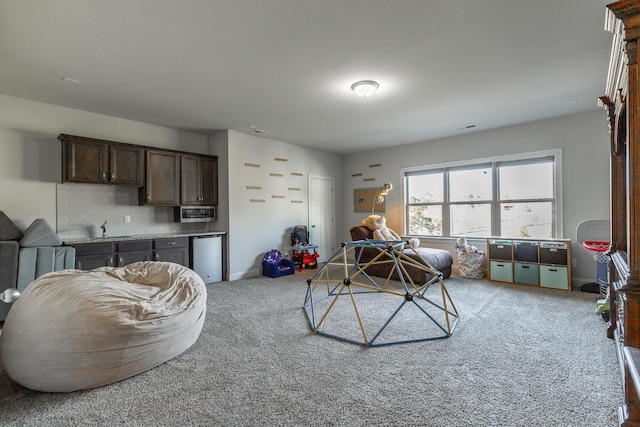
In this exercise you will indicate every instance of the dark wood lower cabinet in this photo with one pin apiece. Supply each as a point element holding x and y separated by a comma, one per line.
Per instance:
<point>120,254</point>
<point>172,250</point>
<point>94,255</point>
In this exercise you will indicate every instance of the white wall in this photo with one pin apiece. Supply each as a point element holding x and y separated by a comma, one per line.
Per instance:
<point>256,227</point>
<point>30,153</point>
<point>583,139</point>
<point>30,170</point>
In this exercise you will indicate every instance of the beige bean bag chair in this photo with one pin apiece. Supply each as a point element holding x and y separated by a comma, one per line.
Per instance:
<point>73,330</point>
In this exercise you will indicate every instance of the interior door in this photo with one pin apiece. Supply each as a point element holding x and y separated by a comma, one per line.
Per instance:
<point>321,216</point>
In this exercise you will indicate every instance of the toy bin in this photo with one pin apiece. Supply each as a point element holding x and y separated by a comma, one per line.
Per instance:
<point>526,274</point>
<point>500,250</point>
<point>553,276</point>
<point>526,251</point>
<point>501,271</point>
<point>553,253</point>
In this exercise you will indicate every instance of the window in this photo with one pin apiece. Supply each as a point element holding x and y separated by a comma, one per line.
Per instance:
<point>513,196</point>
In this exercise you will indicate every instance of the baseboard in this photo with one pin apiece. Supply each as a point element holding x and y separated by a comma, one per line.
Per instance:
<point>248,274</point>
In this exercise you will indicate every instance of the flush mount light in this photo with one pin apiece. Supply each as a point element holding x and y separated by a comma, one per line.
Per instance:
<point>364,88</point>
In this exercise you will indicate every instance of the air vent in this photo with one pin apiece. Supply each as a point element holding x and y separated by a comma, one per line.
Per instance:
<point>254,130</point>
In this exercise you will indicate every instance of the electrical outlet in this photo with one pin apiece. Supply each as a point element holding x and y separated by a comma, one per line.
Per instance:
<point>127,219</point>
<point>574,263</point>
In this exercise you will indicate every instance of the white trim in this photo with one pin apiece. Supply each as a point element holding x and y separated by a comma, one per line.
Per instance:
<point>555,152</point>
<point>333,204</point>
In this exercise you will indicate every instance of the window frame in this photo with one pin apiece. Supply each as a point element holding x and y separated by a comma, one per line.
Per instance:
<point>555,155</point>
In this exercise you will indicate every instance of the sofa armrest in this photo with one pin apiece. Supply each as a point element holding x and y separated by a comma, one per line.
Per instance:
<point>360,232</point>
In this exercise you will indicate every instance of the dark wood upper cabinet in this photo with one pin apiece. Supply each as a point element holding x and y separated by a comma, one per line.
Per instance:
<point>92,161</point>
<point>162,179</point>
<point>84,161</point>
<point>126,165</point>
<point>210,181</point>
<point>199,180</point>
<point>165,177</point>
<point>191,180</point>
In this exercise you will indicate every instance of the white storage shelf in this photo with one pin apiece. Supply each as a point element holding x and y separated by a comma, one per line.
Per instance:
<point>543,263</point>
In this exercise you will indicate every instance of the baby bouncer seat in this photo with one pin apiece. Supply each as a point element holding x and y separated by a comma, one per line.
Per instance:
<point>304,253</point>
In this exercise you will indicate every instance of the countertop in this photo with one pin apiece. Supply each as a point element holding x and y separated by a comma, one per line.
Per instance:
<point>109,239</point>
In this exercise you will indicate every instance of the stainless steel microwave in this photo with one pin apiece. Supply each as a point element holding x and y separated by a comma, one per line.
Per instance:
<point>195,213</point>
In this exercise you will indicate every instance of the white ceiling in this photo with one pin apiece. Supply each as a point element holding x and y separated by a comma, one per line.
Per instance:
<point>286,66</point>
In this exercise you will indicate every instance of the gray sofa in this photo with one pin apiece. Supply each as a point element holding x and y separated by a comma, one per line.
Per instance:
<point>25,256</point>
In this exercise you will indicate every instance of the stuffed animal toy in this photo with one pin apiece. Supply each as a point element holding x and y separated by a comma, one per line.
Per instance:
<point>378,224</point>
<point>461,246</point>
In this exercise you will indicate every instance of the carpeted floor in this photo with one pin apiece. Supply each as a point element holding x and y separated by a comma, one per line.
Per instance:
<point>519,356</point>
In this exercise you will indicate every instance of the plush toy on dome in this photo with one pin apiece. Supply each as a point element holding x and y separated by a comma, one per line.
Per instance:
<point>461,246</point>
<point>378,224</point>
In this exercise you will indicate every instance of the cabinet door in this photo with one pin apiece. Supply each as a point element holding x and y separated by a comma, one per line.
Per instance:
<point>162,183</point>
<point>94,255</point>
<point>191,182</point>
<point>177,255</point>
<point>126,258</point>
<point>126,165</point>
<point>132,251</point>
<point>85,161</point>
<point>172,250</point>
<point>89,262</point>
<point>210,181</point>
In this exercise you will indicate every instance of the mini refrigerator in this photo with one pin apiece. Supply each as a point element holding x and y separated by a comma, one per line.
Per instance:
<point>206,257</point>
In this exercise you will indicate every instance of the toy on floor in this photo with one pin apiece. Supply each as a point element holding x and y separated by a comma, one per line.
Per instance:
<point>304,253</point>
<point>275,265</point>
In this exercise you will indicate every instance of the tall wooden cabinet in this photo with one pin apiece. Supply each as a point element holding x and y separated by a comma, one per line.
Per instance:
<point>622,102</point>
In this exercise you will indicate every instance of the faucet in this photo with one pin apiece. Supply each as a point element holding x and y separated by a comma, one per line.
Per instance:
<point>104,229</point>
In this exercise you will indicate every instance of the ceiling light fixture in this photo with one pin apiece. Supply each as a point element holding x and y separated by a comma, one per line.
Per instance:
<point>364,88</point>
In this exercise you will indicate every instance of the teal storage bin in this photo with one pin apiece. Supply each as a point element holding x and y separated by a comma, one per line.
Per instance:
<point>501,271</point>
<point>527,274</point>
<point>554,276</point>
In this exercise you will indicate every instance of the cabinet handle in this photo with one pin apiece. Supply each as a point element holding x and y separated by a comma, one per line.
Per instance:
<point>148,197</point>
<point>110,262</point>
<point>120,261</point>
<point>113,177</point>
<point>172,243</point>
<point>156,256</point>
<point>104,177</point>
